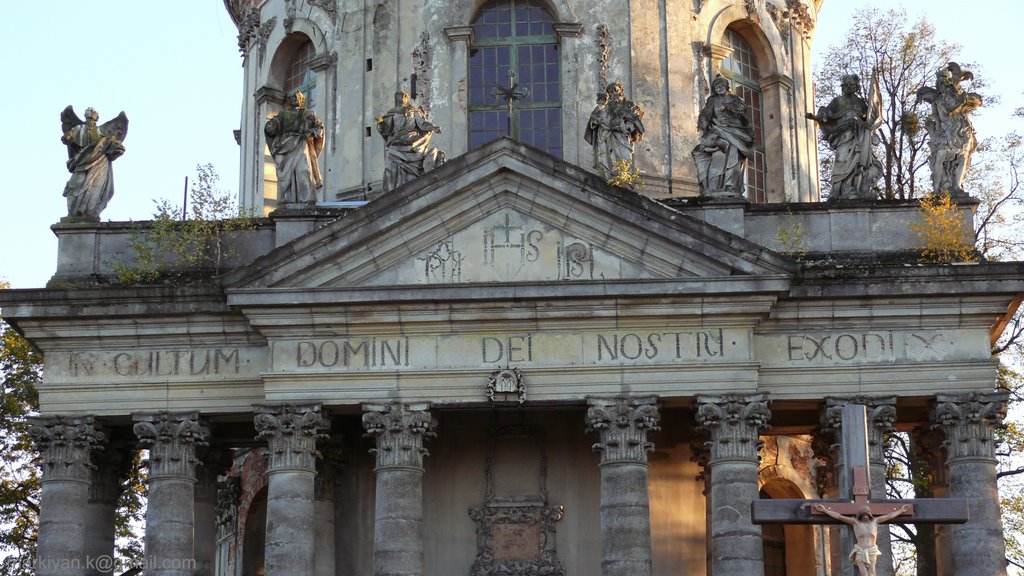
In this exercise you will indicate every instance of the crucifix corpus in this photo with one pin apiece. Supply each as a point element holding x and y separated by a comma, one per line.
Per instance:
<point>854,506</point>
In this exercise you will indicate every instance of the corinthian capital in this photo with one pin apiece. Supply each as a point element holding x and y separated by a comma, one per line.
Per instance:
<point>66,445</point>
<point>400,430</point>
<point>622,424</point>
<point>969,422</point>
<point>881,418</point>
<point>735,422</point>
<point>291,433</point>
<point>171,438</point>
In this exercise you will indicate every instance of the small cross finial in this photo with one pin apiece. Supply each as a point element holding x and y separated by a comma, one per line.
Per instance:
<point>511,94</point>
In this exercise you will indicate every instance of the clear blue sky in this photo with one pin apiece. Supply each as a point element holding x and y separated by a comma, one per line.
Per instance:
<point>174,68</point>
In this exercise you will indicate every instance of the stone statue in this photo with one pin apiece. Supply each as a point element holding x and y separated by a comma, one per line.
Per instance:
<point>296,138</point>
<point>726,143</point>
<point>848,124</point>
<point>950,133</point>
<point>865,552</point>
<point>407,151</point>
<point>615,125</point>
<point>91,150</point>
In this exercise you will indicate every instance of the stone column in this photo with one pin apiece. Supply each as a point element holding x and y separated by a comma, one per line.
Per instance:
<point>928,466</point>
<point>969,422</point>
<point>171,438</point>
<point>291,432</point>
<point>111,466</point>
<point>881,412</point>
<point>400,431</point>
<point>324,558</point>
<point>65,445</point>
<point>622,424</point>
<point>735,422</point>
<point>206,513</point>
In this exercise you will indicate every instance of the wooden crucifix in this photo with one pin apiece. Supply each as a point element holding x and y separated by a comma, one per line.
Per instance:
<point>854,506</point>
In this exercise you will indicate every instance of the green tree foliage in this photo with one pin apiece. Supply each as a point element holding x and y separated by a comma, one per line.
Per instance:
<point>176,248</point>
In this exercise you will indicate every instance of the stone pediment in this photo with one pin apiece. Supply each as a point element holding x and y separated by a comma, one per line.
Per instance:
<point>508,214</point>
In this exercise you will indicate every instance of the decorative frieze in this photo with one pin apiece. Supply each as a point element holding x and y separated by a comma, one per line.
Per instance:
<point>291,432</point>
<point>622,424</point>
<point>66,445</point>
<point>969,422</point>
<point>171,438</point>
<point>400,430</point>
<point>735,423</point>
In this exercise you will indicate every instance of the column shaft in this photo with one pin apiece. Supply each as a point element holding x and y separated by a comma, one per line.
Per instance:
<point>400,430</point>
<point>66,445</point>
<point>622,424</point>
<point>291,433</point>
<point>969,422</point>
<point>735,423</point>
<point>206,516</point>
<point>111,467</point>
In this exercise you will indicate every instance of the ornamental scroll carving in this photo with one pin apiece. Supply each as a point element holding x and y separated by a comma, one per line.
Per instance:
<point>735,422</point>
<point>291,433</point>
<point>172,439</point>
<point>969,422</point>
<point>66,445</point>
<point>515,529</point>
<point>400,430</point>
<point>622,424</point>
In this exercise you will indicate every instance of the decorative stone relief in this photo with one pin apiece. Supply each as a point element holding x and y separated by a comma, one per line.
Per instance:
<point>291,432</point>
<point>290,13</point>
<point>423,64</point>
<point>248,29</point>
<point>264,32</point>
<point>794,16</point>
<point>603,38</point>
<point>952,140</point>
<point>575,261</point>
<point>881,413</point>
<point>735,423</point>
<point>970,421</point>
<point>506,381</point>
<point>622,424</point>
<point>443,264</point>
<point>229,494</point>
<point>171,438</point>
<point>516,533</point>
<point>400,430</point>
<point>328,6</point>
<point>66,445</point>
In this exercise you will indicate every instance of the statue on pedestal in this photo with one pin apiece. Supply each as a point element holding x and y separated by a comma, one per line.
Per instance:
<point>296,138</point>
<point>726,143</point>
<point>407,133</point>
<point>950,132</point>
<point>848,124</point>
<point>91,150</point>
<point>865,552</point>
<point>615,126</point>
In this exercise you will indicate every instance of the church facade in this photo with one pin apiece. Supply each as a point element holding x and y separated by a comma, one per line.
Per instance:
<point>510,366</point>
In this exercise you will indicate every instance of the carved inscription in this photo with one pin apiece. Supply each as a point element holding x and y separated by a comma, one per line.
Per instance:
<point>141,364</point>
<point>652,345</point>
<point>858,347</point>
<point>507,349</point>
<point>353,352</point>
<point>865,345</point>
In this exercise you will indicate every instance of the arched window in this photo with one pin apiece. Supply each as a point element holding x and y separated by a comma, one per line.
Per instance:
<point>515,36</point>
<point>299,76</point>
<point>740,67</point>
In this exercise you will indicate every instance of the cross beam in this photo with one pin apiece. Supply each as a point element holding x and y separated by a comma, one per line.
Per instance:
<point>856,499</point>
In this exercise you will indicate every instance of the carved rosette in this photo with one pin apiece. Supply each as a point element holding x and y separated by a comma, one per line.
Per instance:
<point>291,432</point>
<point>400,430</point>
<point>735,423</point>
<point>881,417</point>
<point>172,439</point>
<point>969,422</point>
<point>66,445</point>
<point>622,424</point>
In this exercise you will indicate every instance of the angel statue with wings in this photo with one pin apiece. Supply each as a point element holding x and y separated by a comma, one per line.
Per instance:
<point>91,149</point>
<point>950,132</point>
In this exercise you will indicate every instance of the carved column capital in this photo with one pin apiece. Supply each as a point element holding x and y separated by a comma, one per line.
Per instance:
<point>291,432</point>
<point>881,413</point>
<point>735,423</point>
<point>400,430</point>
<point>66,445</point>
<point>969,422</point>
<point>172,439</point>
<point>622,424</point>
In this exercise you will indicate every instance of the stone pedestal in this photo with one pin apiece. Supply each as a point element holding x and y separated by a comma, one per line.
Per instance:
<point>881,413</point>
<point>622,425</point>
<point>66,445</point>
<point>734,422</point>
<point>291,433</point>
<point>171,439</point>
<point>969,422</point>
<point>400,431</point>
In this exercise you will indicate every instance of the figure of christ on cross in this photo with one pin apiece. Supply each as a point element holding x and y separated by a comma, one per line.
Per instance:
<point>865,529</point>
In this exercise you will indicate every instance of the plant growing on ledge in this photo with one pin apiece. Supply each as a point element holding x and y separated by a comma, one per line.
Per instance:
<point>942,234</point>
<point>196,244</point>
<point>626,175</point>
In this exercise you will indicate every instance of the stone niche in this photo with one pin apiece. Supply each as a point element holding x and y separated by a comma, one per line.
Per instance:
<point>515,527</point>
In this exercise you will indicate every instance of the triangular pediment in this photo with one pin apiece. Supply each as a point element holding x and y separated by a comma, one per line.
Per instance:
<point>507,213</point>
